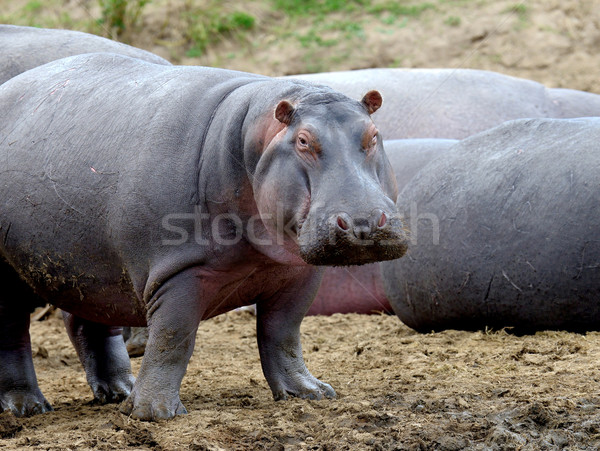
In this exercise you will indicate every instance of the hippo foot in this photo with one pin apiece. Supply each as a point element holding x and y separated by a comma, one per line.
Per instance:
<point>24,404</point>
<point>152,409</point>
<point>305,387</point>
<point>136,342</point>
<point>115,391</point>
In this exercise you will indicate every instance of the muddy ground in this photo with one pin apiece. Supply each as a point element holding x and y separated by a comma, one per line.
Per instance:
<point>396,389</point>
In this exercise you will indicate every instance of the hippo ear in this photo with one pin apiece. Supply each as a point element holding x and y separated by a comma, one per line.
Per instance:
<point>372,101</point>
<point>284,112</point>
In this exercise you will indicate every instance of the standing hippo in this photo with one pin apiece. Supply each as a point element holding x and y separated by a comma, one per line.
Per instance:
<point>504,232</point>
<point>141,194</point>
<point>455,103</point>
<point>24,48</point>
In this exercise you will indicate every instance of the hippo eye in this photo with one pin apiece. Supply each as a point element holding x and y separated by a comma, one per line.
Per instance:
<point>369,140</point>
<point>302,142</point>
<point>371,145</point>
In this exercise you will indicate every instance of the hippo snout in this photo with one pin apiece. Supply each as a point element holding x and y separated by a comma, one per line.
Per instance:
<point>342,239</point>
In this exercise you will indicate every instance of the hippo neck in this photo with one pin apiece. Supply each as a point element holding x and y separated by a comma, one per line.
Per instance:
<point>224,142</point>
<point>226,184</point>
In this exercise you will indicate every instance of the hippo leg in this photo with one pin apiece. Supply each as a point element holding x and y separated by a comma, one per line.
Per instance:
<point>19,390</point>
<point>278,334</point>
<point>103,355</point>
<point>175,311</point>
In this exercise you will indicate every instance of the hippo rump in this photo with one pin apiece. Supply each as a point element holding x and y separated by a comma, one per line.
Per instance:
<point>143,194</point>
<point>455,103</point>
<point>359,289</point>
<point>504,232</point>
<point>24,48</point>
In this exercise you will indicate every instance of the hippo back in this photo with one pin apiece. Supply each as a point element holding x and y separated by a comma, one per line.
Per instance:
<point>24,48</point>
<point>455,103</point>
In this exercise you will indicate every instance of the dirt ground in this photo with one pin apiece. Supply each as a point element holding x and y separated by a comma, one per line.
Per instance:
<point>396,389</point>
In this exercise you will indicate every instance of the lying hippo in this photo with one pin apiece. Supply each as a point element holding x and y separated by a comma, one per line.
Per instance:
<point>24,48</point>
<point>504,232</point>
<point>143,194</point>
<point>455,103</point>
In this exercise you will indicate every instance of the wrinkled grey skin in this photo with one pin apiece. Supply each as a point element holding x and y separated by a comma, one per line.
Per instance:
<point>455,103</point>
<point>140,194</point>
<point>24,48</point>
<point>518,232</point>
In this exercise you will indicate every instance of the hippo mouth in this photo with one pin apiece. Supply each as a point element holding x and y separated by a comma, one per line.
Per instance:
<point>325,246</point>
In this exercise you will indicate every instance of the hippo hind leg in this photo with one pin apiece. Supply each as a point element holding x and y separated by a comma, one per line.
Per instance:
<point>19,390</point>
<point>136,340</point>
<point>102,353</point>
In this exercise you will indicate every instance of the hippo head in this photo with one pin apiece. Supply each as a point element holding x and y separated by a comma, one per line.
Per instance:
<point>324,182</point>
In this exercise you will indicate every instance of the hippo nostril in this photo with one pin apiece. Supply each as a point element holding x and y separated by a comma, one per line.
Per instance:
<point>382,220</point>
<point>341,223</point>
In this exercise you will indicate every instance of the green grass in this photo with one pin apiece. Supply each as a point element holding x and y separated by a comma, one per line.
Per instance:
<point>119,15</point>
<point>398,8</point>
<point>33,7</point>
<point>317,7</point>
<point>522,13</point>
<point>207,26</point>
<point>452,21</point>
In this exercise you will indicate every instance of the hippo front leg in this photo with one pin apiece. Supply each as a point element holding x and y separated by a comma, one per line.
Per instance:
<point>104,358</point>
<point>174,314</point>
<point>278,334</point>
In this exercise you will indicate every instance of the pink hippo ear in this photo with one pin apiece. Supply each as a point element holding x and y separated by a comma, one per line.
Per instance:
<point>284,112</point>
<point>372,101</point>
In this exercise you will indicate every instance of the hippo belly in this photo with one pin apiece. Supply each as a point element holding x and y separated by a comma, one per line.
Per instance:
<point>504,232</point>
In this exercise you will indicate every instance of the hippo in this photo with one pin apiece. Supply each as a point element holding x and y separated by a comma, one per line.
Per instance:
<point>455,103</point>
<point>504,232</point>
<point>141,194</point>
<point>24,48</point>
<point>352,289</point>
